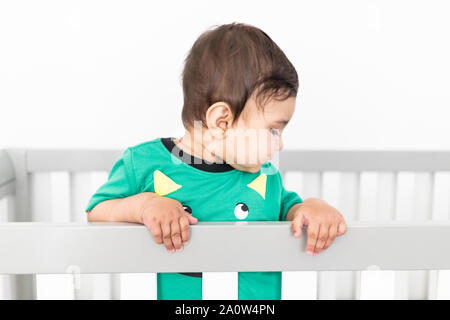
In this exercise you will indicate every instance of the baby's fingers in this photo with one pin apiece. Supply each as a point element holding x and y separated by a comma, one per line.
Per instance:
<point>297,225</point>
<point>342,228</point>
<point>184,228</point>
<point>313,234</point>
<point>323,237</point>
<point>176,235</point>
<point>167,236</point>
<point>331,236</point>
<point>155,229</point>
<point>192,219</point>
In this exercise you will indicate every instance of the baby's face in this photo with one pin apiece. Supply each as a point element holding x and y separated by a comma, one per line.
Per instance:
<point>257,134</point>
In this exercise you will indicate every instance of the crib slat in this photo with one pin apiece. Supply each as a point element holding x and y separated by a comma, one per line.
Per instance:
<point>40,196</point>
<point>341,191</point>
<point>441,211</point>
<point>60,197</point>
<point>386,196</point>
<point>349,195</point>
<point>7,208</point>
<point>423,196</point>
<point>415,203</point>
<point>377,285</point>
<point>95,287</point>
<point>83,286</point>
<point>40,186</point>
<point>22,286</point>
<point>404,212</point>
<point>80,192</point>
<point>311,187</point>
<point>348,282</point>
<point>367,210</point>
<point>50,202</point>
<point>307,184</point>
<point>441,196</point>
<point>298,285</point>
<point>8,279</point>
<point>91,286</point>
<point>386,208</point>
<point>97,178</point>
<point>347,285</point>
<point>3,210</point>
<point>138,286</point>
<point>420,281</point>
<point>226,281</point>
<point>115,281</point>
<point>5,287</point>
<point>5,280</point>
<point>378,203</point>
<point>327,286</point>
<point>418,285</point>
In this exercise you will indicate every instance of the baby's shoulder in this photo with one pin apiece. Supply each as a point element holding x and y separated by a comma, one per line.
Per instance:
<point>146,145</point>
<point>147,152</point>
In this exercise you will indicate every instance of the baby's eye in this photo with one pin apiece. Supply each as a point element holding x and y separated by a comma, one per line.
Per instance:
<point>241,210</point>
<point>275,132</point>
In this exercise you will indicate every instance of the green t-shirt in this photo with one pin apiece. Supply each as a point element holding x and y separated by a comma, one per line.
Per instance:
<point>210,192</point>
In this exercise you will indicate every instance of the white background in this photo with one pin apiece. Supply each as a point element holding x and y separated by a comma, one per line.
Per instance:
<point>107,74</point>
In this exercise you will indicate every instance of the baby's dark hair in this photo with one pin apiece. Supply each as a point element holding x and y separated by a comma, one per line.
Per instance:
<point>230,63</point>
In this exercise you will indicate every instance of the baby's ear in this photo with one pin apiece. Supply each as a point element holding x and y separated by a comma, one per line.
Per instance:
<point>219,118</point>
<point>163,184</point>
<point>259,185</point>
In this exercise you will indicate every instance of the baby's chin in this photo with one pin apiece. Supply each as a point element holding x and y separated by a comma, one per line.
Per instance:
<point>248,168</point>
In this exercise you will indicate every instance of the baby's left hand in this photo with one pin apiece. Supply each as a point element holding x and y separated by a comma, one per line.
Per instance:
<point>324,224</point>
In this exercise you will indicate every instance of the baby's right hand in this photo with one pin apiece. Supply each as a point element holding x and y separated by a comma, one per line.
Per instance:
<point>167,221</point>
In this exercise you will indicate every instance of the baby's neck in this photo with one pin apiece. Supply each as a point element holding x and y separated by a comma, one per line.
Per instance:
<point>193,145</point>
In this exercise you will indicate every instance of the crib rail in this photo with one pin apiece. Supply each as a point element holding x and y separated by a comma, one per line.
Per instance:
<point>389,230</point>
<point>39,248</point>
<point>355,161</point>
<point>37,160</point>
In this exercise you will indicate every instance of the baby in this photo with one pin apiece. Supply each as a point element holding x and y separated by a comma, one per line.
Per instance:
<point>239,94</point>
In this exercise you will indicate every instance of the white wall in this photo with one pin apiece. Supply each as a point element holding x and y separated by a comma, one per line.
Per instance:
<point>106,74</point>
<point>101,74</point>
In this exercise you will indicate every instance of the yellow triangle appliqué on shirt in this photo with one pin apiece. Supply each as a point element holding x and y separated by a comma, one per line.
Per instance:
<point>259,185</point>
<point>163,184</point>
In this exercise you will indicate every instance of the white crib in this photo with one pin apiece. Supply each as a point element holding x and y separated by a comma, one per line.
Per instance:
<point>396,204</point>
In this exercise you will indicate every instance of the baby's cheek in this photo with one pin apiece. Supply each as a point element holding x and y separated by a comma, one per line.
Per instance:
<point>253,155</point>
<point>270,149</point>
<point>257,154</point>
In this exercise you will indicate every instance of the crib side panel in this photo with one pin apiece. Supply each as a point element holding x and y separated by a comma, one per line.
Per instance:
<point>23,287</point>
<point>6,215</point>
<point>399,186</point>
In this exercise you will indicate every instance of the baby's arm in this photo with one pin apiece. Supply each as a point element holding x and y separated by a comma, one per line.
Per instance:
<point>121,209</point>
<point>292,210</point>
